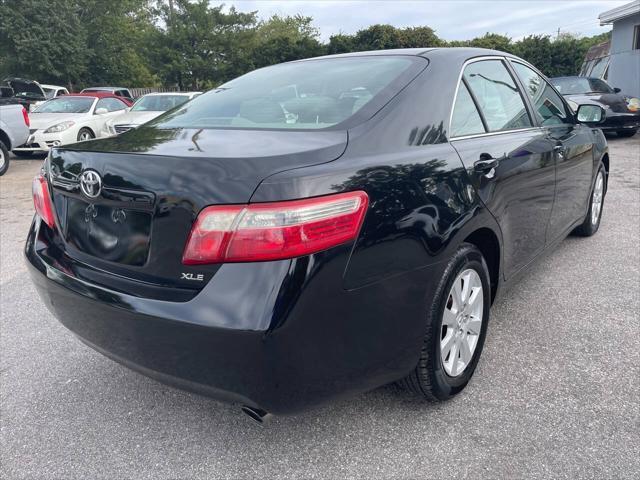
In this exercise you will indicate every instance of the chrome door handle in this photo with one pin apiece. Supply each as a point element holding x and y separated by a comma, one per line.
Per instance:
<point>486,165</point>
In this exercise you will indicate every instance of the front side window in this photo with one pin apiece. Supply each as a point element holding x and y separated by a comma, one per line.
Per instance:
<point>66,105</point>
<point>547,103</point>
<point>111,104</point>
<point>465,119</point>
<point>498,96</point>
<point>306,95</point>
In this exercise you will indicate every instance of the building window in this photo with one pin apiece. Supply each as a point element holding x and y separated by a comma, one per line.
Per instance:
<point>636,37</point>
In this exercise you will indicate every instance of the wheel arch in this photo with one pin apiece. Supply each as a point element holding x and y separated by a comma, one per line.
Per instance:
<point>4,138</point>
<point>86,127</point>
<point>487,242</point>
<point>605,162</point>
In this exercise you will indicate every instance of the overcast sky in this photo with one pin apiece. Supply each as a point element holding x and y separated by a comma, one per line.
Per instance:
<point>451,19</point>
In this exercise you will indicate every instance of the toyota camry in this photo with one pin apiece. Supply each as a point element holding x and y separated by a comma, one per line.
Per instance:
<point>317,228</point>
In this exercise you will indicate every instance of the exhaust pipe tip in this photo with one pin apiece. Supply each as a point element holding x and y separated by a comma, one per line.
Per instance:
<point>257,415</point>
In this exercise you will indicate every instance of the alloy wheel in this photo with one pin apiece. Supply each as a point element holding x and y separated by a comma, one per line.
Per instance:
<point>2,159</point>
<point>461,322</point>
<point>596,199</point>
<point>84,136</point>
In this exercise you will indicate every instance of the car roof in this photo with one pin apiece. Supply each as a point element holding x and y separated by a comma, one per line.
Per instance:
<point>52,86</point>
<point>457,52</point>
<point>105,88</point>
<point>160,94</point>
<point>93,94</point>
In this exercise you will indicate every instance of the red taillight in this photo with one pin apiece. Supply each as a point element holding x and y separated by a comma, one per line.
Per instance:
<point>25,115</point>
<point>273,231</point>
<point>42,200</point>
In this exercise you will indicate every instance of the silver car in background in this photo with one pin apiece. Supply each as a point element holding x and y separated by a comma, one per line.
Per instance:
<point>14,131</point>
<point>146,109</point>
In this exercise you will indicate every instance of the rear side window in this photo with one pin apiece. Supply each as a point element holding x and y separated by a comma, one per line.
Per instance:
<point>306,95</point>
<point>465,119</point>
<point>498,96</point>
<point>548,104</point>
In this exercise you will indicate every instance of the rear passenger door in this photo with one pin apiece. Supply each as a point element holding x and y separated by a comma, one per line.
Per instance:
<point>507,157</point>
<point>572,145</point>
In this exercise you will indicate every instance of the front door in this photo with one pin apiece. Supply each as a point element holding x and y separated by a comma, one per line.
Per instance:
<point>572,147</point>
<point>508,159</point>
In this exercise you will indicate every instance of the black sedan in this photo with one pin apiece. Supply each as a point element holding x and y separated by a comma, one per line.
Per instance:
<point>622,112</point>
<point>317,228</point>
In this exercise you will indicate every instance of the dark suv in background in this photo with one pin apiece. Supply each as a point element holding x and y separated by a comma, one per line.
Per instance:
<point>622,112</point>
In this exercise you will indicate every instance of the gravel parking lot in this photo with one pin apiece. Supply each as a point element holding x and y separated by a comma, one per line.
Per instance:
<point>556,393</point>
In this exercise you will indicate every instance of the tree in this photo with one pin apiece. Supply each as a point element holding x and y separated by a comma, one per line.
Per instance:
<point>119,42</point>
<point>537,50</point>
<point>377,37</point>
<point>493,41</point>
<point>340,43</point>
<point>419,37</point>
<point>283,39</point>
<point>43,40</point>
<point>201,46</point>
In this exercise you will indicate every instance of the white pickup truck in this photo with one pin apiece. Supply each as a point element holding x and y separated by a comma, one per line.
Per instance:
<point>14,131</point>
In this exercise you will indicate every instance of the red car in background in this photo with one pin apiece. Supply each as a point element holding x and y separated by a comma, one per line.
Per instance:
<point>119,92</point>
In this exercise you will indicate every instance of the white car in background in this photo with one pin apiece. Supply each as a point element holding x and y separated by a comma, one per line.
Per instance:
<point>146,109</point>
<point>69,119</point>
<point>50,91</point>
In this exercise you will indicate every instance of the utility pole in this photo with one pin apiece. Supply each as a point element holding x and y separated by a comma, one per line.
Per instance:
<point>558,35</point>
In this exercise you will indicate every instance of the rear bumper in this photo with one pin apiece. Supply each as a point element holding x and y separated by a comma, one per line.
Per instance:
<point>277,336</point>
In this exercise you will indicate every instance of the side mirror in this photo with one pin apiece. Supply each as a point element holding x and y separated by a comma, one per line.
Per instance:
<point>101,111</point>
<point>617,90</point>
<point>590,114</point>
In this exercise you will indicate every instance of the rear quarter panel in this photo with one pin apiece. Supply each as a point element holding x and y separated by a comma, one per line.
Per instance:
<point>12,124</point>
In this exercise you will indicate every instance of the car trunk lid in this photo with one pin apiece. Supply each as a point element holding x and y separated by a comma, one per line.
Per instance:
<point>152,185</point>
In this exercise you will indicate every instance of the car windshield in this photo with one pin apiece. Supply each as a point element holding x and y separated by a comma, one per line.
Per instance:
<point>299,95</point>
<point>578,85</point>
<point>48,92</point>
<point>158,103</point>
<point>66,105</point>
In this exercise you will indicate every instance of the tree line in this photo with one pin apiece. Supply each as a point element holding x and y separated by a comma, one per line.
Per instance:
<point>196,45</point>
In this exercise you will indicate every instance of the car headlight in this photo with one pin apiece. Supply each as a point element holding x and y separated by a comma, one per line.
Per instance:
<point>633,104</point>
<point>59,127</point>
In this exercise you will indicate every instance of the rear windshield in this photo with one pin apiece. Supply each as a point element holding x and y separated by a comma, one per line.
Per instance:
<point>577,85</point>
<point>301,95</point>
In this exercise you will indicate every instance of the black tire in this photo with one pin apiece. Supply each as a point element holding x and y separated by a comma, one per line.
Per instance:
<point>627,133</point>
<point>4,159</point>
<point>588,227</point>
<point>429,378</point>
<point>23,154</point>
<point>85,131</point>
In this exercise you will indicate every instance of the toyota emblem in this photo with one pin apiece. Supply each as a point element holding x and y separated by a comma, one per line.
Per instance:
<point>90,183</point>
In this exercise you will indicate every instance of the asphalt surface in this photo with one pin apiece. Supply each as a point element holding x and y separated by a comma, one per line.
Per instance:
<point>556,393</point>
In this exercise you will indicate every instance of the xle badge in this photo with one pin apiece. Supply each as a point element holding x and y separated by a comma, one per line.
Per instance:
<point>192,276</point>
